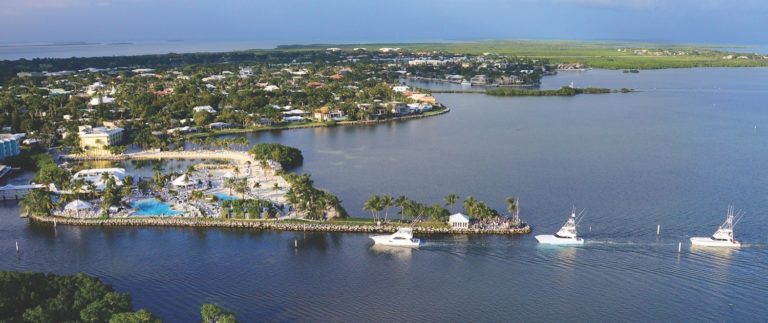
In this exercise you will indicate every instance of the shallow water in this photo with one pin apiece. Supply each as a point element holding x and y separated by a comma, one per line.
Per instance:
<point>675,154</point>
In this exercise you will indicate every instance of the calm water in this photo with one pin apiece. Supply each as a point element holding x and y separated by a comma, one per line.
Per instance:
<point>29,51</point>
<point>675,154</point>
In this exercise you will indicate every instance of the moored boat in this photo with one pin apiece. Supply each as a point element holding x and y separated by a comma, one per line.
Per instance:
<point>402,238</point>
<point>723,237</point>
<point>567,235</point>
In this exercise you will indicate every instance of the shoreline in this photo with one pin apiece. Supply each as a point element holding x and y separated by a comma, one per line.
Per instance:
<point>317,125</point>
<point>271,225</point>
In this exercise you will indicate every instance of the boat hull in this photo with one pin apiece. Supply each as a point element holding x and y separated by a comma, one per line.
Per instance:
<point>386,240</point>
<point>553,240</point>
<point>709,242</point>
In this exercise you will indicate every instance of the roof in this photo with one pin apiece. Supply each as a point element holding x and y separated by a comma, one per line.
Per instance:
<point>183,180</point>
<point>458,217</point>
<point>78,205</point>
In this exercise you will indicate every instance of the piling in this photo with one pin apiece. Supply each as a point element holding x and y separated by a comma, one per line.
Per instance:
<point>679,247</point>
<point>658,229</point>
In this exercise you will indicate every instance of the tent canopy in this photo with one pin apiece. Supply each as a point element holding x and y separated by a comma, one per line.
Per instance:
<point>183,180</point>
<point>78,205</point>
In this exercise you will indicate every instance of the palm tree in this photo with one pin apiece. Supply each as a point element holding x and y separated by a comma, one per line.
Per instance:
<point>257,186</point>
<point>372,205</point>
<point>37,202</point>
<point>401,201</point>
<point>451,200</point>
<point>512,208</point>
<point>386,203</point>
<point>471,205</point>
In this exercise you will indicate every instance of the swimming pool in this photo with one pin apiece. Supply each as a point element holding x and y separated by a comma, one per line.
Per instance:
<point>153,207</point>
<point>225,197</point>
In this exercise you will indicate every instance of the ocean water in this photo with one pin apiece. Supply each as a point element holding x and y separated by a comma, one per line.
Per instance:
<point>674,154</point>
<point>98,49</point>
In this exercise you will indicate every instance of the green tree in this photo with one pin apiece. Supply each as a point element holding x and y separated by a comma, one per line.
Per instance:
<point>450,200</point>
<point>37,202</point>
<point>212,313</point>
<point>141,316</point>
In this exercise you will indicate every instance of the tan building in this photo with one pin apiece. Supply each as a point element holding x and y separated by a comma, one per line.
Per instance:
<point>95,141</point>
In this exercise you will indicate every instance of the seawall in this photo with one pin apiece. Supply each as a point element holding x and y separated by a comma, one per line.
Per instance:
<point>263,225</point>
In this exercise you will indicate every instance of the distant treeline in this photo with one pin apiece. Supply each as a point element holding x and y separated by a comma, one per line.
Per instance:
<point>8,69</point>
<point>563,91</point>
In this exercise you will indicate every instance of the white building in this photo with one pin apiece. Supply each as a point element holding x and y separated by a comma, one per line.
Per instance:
<point>400,88</point>
<point>206,108</point>
<point>96,176</point>
<point>458,221</point>
<point>96,140</point>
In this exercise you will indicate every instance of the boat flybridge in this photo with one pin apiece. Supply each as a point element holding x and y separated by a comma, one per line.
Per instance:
<point>402,238</point>
<point>567,234</point>
<point>723,237</point>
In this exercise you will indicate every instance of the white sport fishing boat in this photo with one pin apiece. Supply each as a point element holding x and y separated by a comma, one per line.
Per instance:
<point>566,236</point>
<point>402,238</point>
<point>723,237</point>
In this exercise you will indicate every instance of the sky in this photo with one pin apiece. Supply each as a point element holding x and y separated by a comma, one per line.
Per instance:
<point>349,21</point>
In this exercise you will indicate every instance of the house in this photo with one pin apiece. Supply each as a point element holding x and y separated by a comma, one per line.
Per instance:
<point>270,88</point>
<point>206,108</point>
<point>96,140</point>
<point>458,221</point>
<point>9,144</point>
<point>101,100</point>
<point>400,88</point>
<point>479,80</point>
<point>509,80</point>
<point>455,78</point>
<point>219,125</point>
<point>398,108</point>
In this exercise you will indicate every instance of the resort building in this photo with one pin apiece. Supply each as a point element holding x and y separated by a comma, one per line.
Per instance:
<point>97,176</point>
<point>9,144</point>
<point>95,141</point>
<point>458,221</point>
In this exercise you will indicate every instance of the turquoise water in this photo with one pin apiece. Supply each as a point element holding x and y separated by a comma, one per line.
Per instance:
<point>149,207</point>
<point>225,197</point>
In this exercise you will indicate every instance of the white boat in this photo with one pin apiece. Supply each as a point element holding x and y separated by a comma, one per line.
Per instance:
<point>465,83</point>
<point>723,237</point>
<point>566,236</point>
<point>402,238</point>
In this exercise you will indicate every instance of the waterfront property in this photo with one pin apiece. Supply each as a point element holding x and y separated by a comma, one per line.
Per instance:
<point>10,144</point>
<point>95,141</point>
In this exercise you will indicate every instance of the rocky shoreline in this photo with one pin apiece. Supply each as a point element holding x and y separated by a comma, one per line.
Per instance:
<point>263,225</point>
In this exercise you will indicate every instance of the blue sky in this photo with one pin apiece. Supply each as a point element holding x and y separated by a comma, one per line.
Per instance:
<point>307,21</point>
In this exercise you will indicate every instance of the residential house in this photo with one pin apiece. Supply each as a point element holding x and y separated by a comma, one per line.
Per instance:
<point>398,108</point>
<point>479,80</point>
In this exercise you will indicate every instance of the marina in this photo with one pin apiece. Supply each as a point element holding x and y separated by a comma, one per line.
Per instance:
<point>630,179</point>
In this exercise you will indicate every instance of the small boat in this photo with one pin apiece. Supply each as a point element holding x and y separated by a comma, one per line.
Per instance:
<point>566,236</point>
<point>402,238</point>
<point>723,237</point>
<point>465,83</point>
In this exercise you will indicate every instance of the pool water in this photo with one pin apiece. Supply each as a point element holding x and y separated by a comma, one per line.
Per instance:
<point>149,207</point>
<point>225,197</point>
